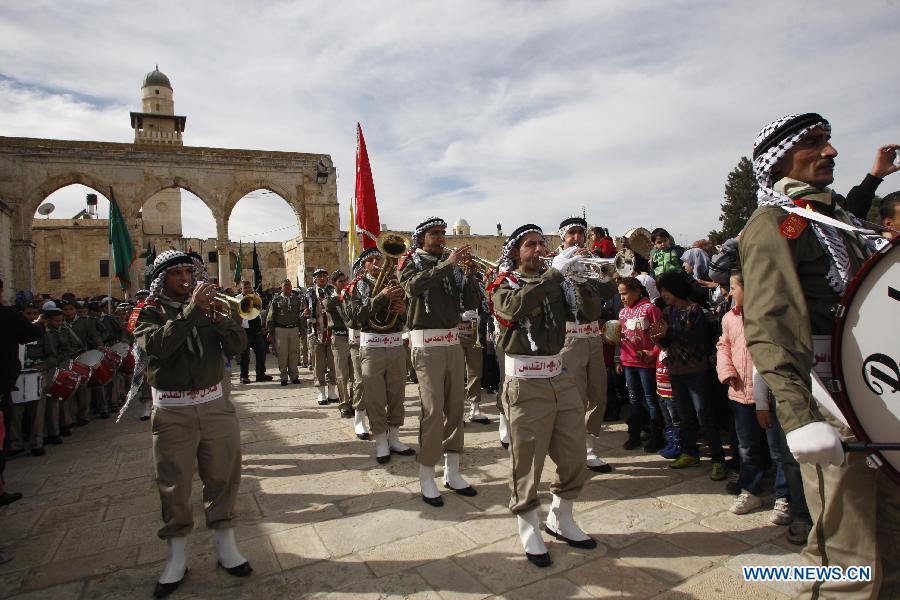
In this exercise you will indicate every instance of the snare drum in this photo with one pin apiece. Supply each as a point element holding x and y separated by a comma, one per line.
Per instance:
<point>105,368</point>
<point>81,369</point>
<point>64,383</point>
<point>29,387</point>
<point>865,354</point>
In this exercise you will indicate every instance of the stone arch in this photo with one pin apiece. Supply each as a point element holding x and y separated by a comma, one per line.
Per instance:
<point>50,185</point>
<point>207,196</point>
<point>242,189</point>
<point>274,260</point>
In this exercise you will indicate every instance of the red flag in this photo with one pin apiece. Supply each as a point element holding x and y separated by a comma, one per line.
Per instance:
<point>366,205</point>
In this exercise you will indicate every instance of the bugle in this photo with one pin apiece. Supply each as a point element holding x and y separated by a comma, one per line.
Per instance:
<point>392,246</point>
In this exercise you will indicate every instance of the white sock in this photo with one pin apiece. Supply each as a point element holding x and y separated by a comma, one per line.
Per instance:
<point>226,549</point>
<point>504,429</point>
<point>147,407</point>
<point>176,560</point>
<point>426,482</point>
<point>323,395</point>
<point>394,440</point>
<point>359,422</point>
<point>592,459</point>
<point>530,532</point>
<point>332,391</point>
<point>382,448</point>
<point>560,520</point>
<point>475,413</point>
<point>451,471</point>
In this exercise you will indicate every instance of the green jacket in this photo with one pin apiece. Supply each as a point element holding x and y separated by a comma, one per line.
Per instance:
<point>169,333</point>
<point>360,309</point>
<point>87,332</point>
<point>531,299</point>
<point>787,300</point>
<point>435,285</point>
<point>285,311</point>
<point>57,346</point>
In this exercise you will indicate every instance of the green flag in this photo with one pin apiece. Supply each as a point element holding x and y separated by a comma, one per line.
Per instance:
<point>237,266</point>
<point>123,253</point>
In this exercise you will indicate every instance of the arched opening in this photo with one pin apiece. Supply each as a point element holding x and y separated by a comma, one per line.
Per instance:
<point>264,217</point>
<point>71,243</point>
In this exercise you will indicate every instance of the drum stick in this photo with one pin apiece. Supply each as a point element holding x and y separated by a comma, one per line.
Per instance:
<point>868,446</point>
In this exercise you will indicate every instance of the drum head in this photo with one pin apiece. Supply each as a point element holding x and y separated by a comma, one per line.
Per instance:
<point>121,348</point>
<point>91,358</point>
<point>865,353</point>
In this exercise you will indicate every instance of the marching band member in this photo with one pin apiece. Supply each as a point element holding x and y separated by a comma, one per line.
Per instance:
<point>360,426</point>
<point>194,424</point>
<point>474,359</point>
<point>540,398</point>
<point>282,324</point>
<point>381,356</point>
<point>795,271</point>
<point>436,288</point>
<point>340,343</point>
<point>85,331</point>
<point>319,337</point>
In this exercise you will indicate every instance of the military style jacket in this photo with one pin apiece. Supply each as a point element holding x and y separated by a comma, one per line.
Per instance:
<point>110,329</point>
<point>361,307</point>
<point>54,348</point>
<point>430,283</point>
<point>316,297</point>
<point>87,332</point>
<point>787,300</point>
<point>336,316</point>
<point>183,345</point>
<point>285,311</point>
<point>534,304</point>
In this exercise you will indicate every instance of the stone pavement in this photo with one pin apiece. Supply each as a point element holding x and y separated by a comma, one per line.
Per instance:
<point>319,517</point>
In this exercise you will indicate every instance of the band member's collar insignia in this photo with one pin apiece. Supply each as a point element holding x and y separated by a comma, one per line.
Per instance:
<point>793,226</point>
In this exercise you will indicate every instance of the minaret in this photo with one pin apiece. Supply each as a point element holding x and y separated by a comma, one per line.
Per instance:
<point>158,124</point>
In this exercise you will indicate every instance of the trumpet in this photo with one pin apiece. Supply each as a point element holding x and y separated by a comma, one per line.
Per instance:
<point>223,306</point>
<point>603,269</point>
<point>470,262</point>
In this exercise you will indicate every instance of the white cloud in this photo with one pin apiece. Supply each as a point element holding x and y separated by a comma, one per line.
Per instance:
<point>494,111</point>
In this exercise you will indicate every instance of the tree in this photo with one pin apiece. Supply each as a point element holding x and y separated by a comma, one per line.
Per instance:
<point>739,202</point>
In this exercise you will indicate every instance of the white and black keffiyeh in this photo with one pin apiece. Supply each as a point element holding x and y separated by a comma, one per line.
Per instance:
<point>770,146</point>
<point>424,226</point>
<point>572,222</point>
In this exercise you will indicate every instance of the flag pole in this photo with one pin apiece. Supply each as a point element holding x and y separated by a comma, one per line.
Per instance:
<point>109,278</point>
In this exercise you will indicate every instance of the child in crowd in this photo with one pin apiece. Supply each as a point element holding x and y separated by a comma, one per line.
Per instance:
<point>684,333</point>
<point>602,244</point>
<point>637,358</point>
<point>735,368</point>
<point>667,406</point>
<point>665,256</point>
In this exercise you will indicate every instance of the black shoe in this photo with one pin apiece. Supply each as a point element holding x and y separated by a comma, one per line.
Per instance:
<point>145,417</point>
<point>242,570</point>
<point>53,439</point>
<point>322,402</point>
<point>604,468</point>
<point>481,420</point>
<point>539,560</point>
<point>246,380</point>
<point>433,501</point>
<point>104,415</point>
<point>38,452</point>
<point>65,431</point>
<point>11,453</point>
<point>347,413</point>
<point>284,382</point>
<point>264,377</point>
<point>8,498</point>
<point>733,488</point>
<point>164,589</point>
<point>588,544</point>
<point>631,444</point>
<point>383,459</point>
<point>364,436</point>
<point>81,422</point>
<point>468,491</point>
<point>407,452</point>
<point>296,381</point>
<point>505,445</point>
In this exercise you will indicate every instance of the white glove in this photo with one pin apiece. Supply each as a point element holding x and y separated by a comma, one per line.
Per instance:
<point>469,315</point>
<point>563,261</point>
<point>816,443</point>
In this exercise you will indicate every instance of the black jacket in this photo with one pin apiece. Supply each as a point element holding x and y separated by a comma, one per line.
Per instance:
<point>16,330</point>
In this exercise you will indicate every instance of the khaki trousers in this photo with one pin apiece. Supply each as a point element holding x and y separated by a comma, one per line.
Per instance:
<point>384,379</point>
<point>287,341</point>
<point>82,400</point>
<point>440,371</point>
<point>856,521</point>
<point>34,413</point>
<point>474,364</point>
<point>546,416</point>
<point>322,361</point>
<point>501,366</point>
<point>340,348</point>
<point>356,389</point>
<point>583,359</point>
<point>304,348</point>
<point>206,436</point>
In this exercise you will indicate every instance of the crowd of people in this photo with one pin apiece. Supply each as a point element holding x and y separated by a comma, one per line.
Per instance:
<point>596,330</point>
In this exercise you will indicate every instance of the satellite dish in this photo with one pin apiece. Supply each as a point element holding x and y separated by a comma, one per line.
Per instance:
<point>46,209</point>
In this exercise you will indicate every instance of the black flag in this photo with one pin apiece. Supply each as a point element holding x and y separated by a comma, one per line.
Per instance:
<point>257,272</point>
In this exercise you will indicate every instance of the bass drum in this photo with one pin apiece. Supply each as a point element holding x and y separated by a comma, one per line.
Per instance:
<point>64,383</point>
<point>865,353</point>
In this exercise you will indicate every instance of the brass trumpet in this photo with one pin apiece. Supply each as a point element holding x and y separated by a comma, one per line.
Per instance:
<point>604,269</point>
<point>470,262</point>
<point>223,306</point>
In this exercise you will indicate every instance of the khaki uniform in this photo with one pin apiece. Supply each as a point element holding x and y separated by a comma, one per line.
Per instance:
<point>434,303</point>
<point>282,323</point>
<point>474,360</point>
<point>546,415</point>
<point>185,352</point>
<point>855,510</point>
<point>583,356</point>
<point>382,369</point>
<point>319,345</point>
<point>79,405</point>
<point>57,347</point>
<point>340,347</point>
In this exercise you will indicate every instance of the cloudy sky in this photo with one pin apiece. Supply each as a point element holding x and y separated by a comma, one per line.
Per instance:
<point>504,112</point>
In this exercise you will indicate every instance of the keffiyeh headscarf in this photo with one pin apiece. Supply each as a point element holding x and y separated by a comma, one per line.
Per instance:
<point>572,222</point>
<point>419,255</point>
<point>424,226</point>
<point>770,146</point>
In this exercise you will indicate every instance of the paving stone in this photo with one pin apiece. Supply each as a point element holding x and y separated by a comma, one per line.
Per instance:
<point>375,500</point>
<point>16,525</point>
<point>703,541</point>
<point>42,501</point>
<point>297,547</point>
<point>613,578</point>
<point>753,528</point>
<point>718,584</point>
<point>250,528</point>
<point>10,583</point>
<point>671,563</point>
<point>489,527</point>
<point>768,555</point>
<point>69,591</point>
<point>91,539</point>
<point>120,489</point>
<point>81,567</point>
<point>622,523</point>
<point>328,575</point>
<point>554,587</point>
<point>451,581</point>
<point>399,585</point>
<point>700,495</point>
<point>134,505</point>
<point>70,516</point>
<point>32,551</point>
<point>414,550</point>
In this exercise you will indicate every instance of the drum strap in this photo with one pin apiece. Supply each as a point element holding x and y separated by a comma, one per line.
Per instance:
<point>75,335</point>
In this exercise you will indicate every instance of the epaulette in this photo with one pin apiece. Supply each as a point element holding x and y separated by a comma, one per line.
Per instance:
<point>794,225</point>
<point>136,312</point>
<point>503,276</point>
<point>402,262</point>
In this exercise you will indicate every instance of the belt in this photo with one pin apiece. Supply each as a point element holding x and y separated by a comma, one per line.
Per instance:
<point>583,330</point>
<point>380,340</point>
<point>186,397</point>
<point>532,367</point>
<point>353,334</point>
<point>429,338</point>
<point>286,326</point>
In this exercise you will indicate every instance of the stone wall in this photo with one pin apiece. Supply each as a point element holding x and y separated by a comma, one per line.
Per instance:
<point>6,259</point>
